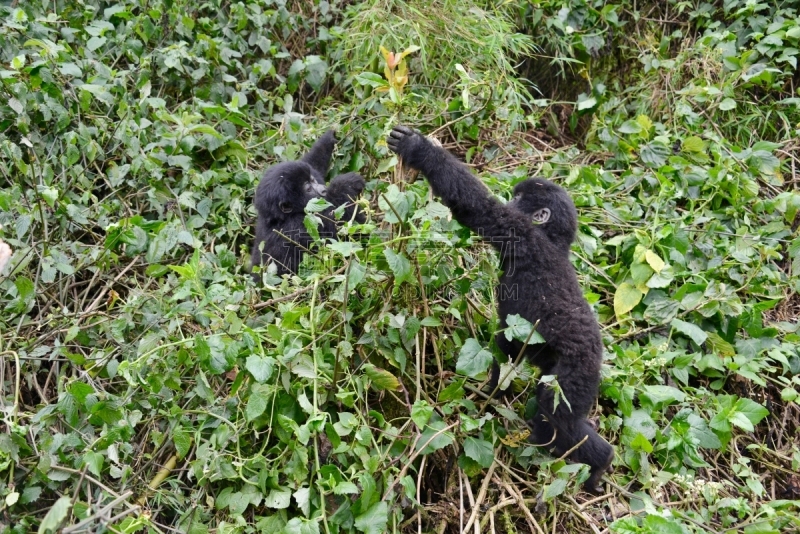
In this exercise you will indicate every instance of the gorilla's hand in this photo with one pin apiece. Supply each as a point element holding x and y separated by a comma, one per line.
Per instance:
<point>352,182</point>
<point>409,145</point>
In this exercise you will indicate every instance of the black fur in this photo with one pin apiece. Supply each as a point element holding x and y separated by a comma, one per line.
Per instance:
<point>538,283</point>
<point>281,198</point>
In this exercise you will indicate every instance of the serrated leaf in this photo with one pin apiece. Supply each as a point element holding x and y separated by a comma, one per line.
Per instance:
<point>372,79</point>
<point>752,410</point>
<point>554,489</point>
<point>479,450</point>
<point>629,127</point>
<point>400,266</point>
<point>519,328</point>
<point>645,122</point>
<point>662,395</point>
<point>473,359</point>
<point>257,402</point>
<point>727,104</point>
<point>278,499</point>
<point>641,443</point>
<point>625,299</point>
<point>55,515</point>
<point>182,441</point>
<point>694,332</point>
<point>260,367</point>
<point>693,144</point>
<point>421,413</point>
<point>433,439</point>
<point>345,248</point>
<point>719,346</point>
<point>374,520</point>
<point>95,42</point>
<point>654,154</point>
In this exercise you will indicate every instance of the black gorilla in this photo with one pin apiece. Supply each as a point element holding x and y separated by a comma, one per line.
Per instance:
<point>532,233</point>
<point>281,198</point>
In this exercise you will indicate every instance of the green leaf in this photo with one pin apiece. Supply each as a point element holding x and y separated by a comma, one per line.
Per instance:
<point>374,520</point>
<point>94,462</point>
<point>654,261</point>
<point>694,332</point>
<point>693,144</point>
<point>586,103</point>
<point>630,127</point>
<point>278,498</point>
<point>752,410</point>
<point>654,154</point>
<point>395,205</point>
<point>345,248</point>
<point>381,379</point>
<point>433,438</point>
<point>182,441</point>
<point>519,328</point>
<point>70,69</point>
<point>400,266</point>
<point>625,299</point>
<point>372,79</point>
<point>257,402</point>
<point>473,359</point>
<point>555,488</point>
<point>56,515</point>
<point>640,443</point>
<point>95,42</point>
<point>479,450</point>
<point>727,104</point>
<point>421,413</point>
<point>662,395</point>
<point>260,367</point>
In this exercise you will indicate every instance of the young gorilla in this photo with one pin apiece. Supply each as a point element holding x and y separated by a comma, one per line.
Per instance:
<point>532,234</point>
<point>281,198</point>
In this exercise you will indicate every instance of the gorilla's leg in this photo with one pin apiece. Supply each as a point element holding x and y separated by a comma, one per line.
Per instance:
<point>570,425</point>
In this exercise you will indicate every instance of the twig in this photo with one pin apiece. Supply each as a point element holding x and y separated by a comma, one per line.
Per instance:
<point>481,497</point>
<point>101,512</point>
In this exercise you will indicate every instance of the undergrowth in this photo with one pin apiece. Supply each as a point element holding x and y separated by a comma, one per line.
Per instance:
<point>150,386</point>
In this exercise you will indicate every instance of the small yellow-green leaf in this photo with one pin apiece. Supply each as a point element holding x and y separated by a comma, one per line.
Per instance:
<point>645,122</point>
<point>655,262</point>
<point>693,144</point>
<point>381,378</point>
<point>625,299</point>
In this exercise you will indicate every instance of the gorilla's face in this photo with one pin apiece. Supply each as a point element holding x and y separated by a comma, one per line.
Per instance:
<point>547,204</point>
<point>289,186</point>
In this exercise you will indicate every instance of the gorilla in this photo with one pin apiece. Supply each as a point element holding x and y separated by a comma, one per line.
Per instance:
<point>281,198</point>
<point>532,234</point>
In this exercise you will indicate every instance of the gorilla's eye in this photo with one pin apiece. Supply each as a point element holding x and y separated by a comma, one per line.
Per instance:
<point>541,216</point>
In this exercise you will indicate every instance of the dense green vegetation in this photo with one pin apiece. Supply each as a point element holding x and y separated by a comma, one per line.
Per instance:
<point>150,386</point>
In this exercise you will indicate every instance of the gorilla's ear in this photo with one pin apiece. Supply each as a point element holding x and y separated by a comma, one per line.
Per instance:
<point>541,216</point>
<point>285,207</point>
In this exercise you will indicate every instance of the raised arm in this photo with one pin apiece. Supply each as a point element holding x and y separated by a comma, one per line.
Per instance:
<point>319,155</point>
<point>470,201</point>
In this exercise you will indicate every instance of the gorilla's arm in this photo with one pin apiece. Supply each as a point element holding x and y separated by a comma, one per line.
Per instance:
<point>469,200</point>
<point>319,156</point>
<point>345,189</point>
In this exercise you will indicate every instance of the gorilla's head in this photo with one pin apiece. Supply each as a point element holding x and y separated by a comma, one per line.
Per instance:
<point>548,205</point>
<point>285,189</point>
